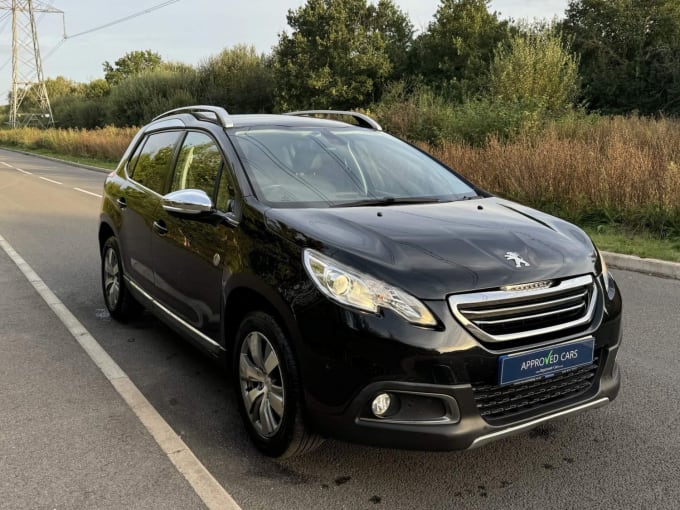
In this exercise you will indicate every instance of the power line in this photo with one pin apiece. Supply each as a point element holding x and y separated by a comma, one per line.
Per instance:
<point>100,27</point>
<point>106,25</point>
<point>121,20</point>
<point>47,7</point>
<point>55,48</point>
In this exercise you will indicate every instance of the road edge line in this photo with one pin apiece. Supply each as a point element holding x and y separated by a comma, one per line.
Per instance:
<point>57,160</point>
<point>208,489</point>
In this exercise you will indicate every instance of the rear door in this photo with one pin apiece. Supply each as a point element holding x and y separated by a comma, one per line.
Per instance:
<point>149,173</point>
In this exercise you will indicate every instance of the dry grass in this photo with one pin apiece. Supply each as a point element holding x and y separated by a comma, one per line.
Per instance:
<point>106,144</point>
<point>624,170</point>
<point>587,169</point>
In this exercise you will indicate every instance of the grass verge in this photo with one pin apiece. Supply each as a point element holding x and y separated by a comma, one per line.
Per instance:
<point>107,165</point>
<point>615,239</point>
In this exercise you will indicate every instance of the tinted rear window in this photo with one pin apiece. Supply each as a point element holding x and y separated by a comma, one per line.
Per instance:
<point>150,165</point>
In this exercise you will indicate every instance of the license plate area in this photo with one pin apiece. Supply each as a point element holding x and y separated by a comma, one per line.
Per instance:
<point>545,362</point>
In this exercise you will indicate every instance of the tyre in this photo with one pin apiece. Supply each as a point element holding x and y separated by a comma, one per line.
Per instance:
<point>268,389</point>
<point>119,302</point>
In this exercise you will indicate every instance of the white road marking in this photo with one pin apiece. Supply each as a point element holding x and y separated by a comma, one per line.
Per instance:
<point>88,192</point>
<point>48,180</point>
<point>6,164</point>
<point>204,484</point>
<point>23,171</point>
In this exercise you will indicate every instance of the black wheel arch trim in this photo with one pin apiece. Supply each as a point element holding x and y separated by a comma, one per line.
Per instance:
<point>251,283</point>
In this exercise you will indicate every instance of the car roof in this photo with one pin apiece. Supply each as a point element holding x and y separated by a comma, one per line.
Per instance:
<point>192,116</point>
<point>257,120</point>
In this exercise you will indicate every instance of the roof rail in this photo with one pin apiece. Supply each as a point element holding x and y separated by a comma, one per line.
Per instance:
<point>221,115</point>
<point>362,120</point>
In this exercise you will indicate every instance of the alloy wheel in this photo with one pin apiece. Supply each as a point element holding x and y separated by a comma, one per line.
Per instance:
<point>111,278</point>
<point>261,384</point>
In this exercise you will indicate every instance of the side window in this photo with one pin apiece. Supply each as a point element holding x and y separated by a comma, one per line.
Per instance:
<point>198,165</point>
<point>151,165</point>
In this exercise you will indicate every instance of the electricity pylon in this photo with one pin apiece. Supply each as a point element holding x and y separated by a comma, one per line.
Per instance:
<point>28,83</point>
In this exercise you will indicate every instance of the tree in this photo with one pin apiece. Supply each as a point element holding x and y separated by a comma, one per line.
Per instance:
<point>340,54</point>
<point>454,53</point>
<point>60,87</point>
<point>630,53</point>
<point>97,89</point>
<point>238,79</point>
<point>133,62</point>
<point>398,32</point>
<point>536,70</point>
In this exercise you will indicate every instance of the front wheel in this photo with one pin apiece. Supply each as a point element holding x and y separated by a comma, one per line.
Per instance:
<point>268,389</point>
<point>119,302</point>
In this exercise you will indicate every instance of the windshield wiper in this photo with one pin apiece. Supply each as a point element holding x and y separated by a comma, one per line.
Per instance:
<point>389,201</point>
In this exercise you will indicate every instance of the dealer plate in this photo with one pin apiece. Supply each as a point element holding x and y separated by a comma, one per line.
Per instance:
<point>546,362</point>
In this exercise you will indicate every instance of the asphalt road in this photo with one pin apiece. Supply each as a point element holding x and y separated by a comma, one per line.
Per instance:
<point>67,440</point>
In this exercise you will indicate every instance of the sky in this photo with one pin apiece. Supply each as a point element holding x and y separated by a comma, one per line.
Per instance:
<point>187,31</point>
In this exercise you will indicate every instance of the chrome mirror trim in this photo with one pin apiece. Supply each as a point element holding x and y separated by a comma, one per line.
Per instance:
<point>188,201</point>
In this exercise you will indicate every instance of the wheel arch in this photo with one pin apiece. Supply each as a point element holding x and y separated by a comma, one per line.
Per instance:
<point>251,294</point>
<point>105,231</point>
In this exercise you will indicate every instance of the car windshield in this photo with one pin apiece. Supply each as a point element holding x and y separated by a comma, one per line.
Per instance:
<point>341,166</point>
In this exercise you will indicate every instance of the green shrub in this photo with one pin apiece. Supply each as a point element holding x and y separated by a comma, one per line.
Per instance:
<point>139,98</point>
<point>537,70</point>
<point>424,116</point>
<point>79,112</point>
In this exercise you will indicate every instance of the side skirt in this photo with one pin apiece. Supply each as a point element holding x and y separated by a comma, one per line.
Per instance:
<point>187,330</point>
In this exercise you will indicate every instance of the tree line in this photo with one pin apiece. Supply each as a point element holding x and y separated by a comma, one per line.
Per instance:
<point>606,56</point>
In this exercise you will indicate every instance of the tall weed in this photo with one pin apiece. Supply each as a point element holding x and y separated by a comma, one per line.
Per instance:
<point>587,169</point>
<point>106,144</point>
<point>592,171</point>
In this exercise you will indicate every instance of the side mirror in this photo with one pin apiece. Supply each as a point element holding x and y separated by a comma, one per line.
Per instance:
<point>191,202</point>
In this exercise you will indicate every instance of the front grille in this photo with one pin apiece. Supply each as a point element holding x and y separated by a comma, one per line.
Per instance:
<point>497,403</point>
<point>506,315</point>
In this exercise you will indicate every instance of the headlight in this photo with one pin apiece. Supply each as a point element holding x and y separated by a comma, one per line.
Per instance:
<point>353,288</point>
<point>607,278</point>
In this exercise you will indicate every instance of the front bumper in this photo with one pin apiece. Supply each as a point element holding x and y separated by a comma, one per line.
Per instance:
<point>461,426</point>
<point>348,358</point>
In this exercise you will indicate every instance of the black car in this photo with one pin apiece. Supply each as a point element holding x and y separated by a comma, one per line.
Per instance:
<point>357,288</point>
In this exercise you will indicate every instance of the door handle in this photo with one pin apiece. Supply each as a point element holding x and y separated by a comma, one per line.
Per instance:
<point>160,228</point>
<point>121,202</point>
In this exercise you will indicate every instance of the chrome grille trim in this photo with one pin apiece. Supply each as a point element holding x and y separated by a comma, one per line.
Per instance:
<point>533,316</point>
<point>526,308</point>
<point>509,307</point>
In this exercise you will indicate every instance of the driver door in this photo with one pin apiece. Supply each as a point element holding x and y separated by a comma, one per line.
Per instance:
<point>190,253</point>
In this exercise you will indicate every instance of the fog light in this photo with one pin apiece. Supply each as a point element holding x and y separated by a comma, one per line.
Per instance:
<point>381,404</point>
